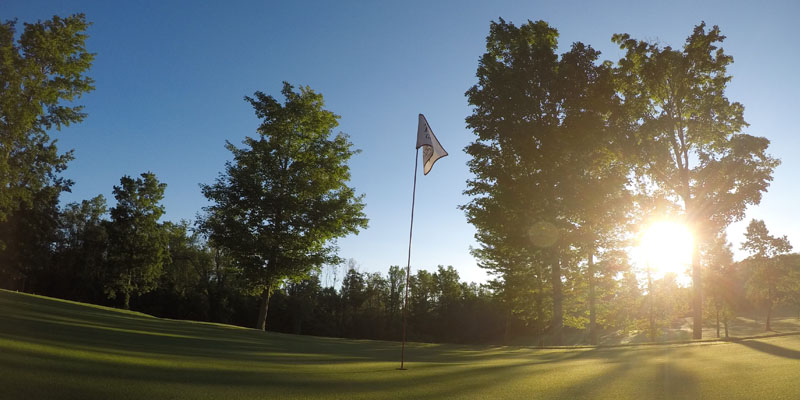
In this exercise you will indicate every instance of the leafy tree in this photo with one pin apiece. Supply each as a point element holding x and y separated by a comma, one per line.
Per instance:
<point>768,270</point>
<point>81,256</point>
<point>28,237</point>
<point>373,315</point>
<point>720,281</point>
<point>791,285</point>
<point>353,297</point>
<point>548,178</point>
<point>422,305</point>
<point>183,288</point>
<point>689,135</point>
<point>138,244</point>
<point>396,279</point>
<point>610,300</point>
<point>284,198</point>
<point>303,303</point>
<point>629,303</point>
<point>669,302</point>
<point>42,72</point>
<point>514,118</point>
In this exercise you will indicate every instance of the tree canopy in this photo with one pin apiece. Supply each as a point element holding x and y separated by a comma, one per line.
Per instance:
<point>137,242</point>
<point>548,176</point>
<point>41,75</point>
<point>768,268</point>
<point>285,197</point>
<point>689,139</point>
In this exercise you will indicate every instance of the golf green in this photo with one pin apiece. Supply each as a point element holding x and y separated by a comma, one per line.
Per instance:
<point>55,349</point>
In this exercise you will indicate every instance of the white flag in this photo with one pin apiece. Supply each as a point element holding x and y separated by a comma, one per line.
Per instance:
<point>431,149</point>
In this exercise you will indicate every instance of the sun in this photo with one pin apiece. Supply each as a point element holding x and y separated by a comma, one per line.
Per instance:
<point>665,247</point>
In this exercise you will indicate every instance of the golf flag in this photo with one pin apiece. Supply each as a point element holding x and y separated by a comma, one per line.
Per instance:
<point>431,149</point>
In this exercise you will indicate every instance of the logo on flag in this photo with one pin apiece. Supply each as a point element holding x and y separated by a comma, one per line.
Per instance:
<point>432,150</point>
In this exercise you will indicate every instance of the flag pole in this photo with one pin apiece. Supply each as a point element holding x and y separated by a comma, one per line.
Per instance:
<point>408,266</point>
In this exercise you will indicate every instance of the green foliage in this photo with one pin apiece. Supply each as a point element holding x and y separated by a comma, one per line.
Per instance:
<point>82,254</point>
<point>42,73</point>
<point>670,301</point>
<point>790,285</point>
<point>396,281</point>
<point>689,140</point>
<point>722,284</point>
<point>284,199</point>
<point>138,244</point>
<point>549,176</point>
<point>28,236</point>
<point>768,269</point>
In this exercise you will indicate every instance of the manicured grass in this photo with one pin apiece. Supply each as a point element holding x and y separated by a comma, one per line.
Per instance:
<point>63,350</point>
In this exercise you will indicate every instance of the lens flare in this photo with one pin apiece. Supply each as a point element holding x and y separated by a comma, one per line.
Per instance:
<point>665,247</point>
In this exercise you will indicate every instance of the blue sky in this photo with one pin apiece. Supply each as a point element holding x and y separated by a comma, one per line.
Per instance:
<point>171,75</point>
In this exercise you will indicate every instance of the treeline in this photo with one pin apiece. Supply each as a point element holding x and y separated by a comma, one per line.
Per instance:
<point>574,156</point>
<point>124,257</point>
<point>571,155</point>
<point>83,252</point>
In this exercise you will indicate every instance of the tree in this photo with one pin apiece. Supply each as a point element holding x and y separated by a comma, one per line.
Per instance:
<point>396,279</point>
<point>353,297</point>
<point>548,179</point>
<point>183,288</point>
<point>594,170</point>
<point>422,305</point>
<point>689,140</point>
<point>28,237</point>
<point>720,283</point>
<point>768,270</point>
<point>41,75</point>
<point>791,285</point>
<point>82,254</point>
<point>138,244</point>
<point>283,200</point>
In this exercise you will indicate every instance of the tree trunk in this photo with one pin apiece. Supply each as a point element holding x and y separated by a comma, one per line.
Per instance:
<point>592,304</point>
<point>726,328</point>
<point>262,314</point>
<point>505,331</point>
<point>651,306</point>
<point>692,215</point>
<point>717,323</point>
<point>697,294</point>
<point>769,310</point>
<point>212,301</point>
<point>558,311</point>
<point>126,305</point>
<point>540,324</point>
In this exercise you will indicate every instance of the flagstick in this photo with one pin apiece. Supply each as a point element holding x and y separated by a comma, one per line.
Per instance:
<point>408,267</point>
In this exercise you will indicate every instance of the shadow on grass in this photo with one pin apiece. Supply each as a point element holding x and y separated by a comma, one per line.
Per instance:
<point>770,349</point>
<point>52,343</point>
<point>424,380</point>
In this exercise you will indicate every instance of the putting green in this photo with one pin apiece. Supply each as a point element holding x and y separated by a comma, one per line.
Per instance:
<point>55,349</point>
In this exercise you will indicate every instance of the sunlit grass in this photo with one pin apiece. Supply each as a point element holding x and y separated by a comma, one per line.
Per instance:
<point>55,349</point>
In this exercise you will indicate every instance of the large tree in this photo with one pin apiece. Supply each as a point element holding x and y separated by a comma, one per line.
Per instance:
<point>138,244</point>
<point>689,137</point>
<point>284,198</point>
<point>42,73</point>
<point>548,180</point>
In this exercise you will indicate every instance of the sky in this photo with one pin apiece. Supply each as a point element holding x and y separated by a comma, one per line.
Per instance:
<point>171,77</point>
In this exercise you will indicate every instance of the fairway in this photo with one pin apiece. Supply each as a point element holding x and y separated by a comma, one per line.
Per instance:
<point>57,349</point>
